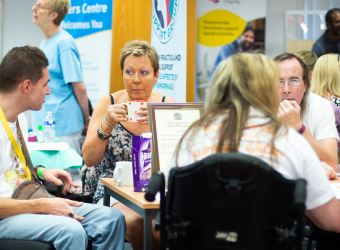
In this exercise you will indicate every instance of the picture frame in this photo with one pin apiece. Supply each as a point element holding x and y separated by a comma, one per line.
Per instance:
<point>167,123</point>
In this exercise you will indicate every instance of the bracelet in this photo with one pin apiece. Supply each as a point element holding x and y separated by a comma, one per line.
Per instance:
<point>101,130</point>
<point>87,120</point>
<point>40,170</point>
<point>107,123</point>
<point>302,129</point>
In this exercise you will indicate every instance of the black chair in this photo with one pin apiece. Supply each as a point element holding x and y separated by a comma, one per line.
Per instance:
<point>14,244</point>
<point>25,245</point>
<point>230,201</point>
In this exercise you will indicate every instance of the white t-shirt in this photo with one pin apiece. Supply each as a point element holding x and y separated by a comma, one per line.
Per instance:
<point>11,176</point>
<point>319,118</point>
<point>295,157</point>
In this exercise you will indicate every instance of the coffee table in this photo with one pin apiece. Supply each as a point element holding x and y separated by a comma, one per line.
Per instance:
<point>134,201</point>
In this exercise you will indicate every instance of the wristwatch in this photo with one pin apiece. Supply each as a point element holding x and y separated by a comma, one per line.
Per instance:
<point>102,136</point>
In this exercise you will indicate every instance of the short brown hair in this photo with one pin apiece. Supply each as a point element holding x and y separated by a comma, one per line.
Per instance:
<point>19,64</point>
<point>59,6</point>
<point>139,48</point>
<point>288,56</point>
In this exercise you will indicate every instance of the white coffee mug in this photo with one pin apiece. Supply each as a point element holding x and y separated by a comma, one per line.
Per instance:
<point>122,174</point>
<point>133,106</point>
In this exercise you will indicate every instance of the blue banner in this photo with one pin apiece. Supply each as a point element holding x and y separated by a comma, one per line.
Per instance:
<point>86,17</point>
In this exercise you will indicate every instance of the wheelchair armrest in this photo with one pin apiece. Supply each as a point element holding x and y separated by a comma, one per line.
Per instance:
<point>156,184</point>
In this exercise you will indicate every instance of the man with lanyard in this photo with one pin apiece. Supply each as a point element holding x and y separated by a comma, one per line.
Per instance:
<point>329,42</point>
<point>243,44</point>
<point>309,114</point>
<point>67,224</point>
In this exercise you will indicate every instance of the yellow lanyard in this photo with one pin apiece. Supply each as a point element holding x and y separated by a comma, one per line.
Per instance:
<point>14,143</point>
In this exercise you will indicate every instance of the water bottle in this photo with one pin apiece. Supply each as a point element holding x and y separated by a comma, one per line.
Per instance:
<point>49,128</point>
<point>40,134</point>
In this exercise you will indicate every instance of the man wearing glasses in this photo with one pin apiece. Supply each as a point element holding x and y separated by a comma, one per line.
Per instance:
<point>329,42</point>
<point>311,115</point>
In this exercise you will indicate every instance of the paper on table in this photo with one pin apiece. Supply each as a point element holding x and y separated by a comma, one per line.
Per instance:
<point>171,125</point>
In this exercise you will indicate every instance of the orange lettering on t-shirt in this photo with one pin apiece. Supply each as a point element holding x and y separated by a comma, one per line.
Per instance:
<point>213,127</point>
<point>250,137</point>
<point>279,153</point>
<point>248,125</point>
<point>268,130</point>
<point>258,148</point>
<point>250,148</point>
<point>225,149</point>
<point>266,149</point>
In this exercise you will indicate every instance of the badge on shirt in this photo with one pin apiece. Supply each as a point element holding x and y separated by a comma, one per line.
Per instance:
<point>16,174</point>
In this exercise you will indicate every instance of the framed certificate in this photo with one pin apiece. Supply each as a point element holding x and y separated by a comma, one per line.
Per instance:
<point>168,122</point>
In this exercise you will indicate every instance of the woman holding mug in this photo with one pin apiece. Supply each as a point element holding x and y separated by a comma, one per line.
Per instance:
<point>108,138</point>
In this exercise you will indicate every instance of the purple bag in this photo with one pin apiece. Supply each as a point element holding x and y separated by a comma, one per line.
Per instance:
<point>141,161</point>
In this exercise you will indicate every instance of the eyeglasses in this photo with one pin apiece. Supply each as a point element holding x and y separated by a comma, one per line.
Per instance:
<point>292,83</point>
<point>39,6</point>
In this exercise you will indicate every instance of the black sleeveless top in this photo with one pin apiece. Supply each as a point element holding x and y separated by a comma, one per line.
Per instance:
<point>118,149</point>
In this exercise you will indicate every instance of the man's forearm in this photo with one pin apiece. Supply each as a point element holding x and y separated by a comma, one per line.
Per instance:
<point>80,92</point>
<point>10,207</point>
<point>326,154</point>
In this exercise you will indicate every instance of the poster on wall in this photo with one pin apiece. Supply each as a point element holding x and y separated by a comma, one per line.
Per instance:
<point>224,28</point>
<point>90,24</point>
<point>169,37</point>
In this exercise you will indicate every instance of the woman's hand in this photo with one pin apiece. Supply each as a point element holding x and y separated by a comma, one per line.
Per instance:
<point>116,113</point>
<point>143,115</point>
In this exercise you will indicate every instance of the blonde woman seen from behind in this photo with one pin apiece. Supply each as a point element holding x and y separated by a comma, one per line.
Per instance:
<point>241,117</point>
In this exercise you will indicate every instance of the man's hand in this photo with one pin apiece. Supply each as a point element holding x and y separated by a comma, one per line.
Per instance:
<point>331,174</point>
<point>58,177</point>
<point>289,112</point>
<point>59,206</point>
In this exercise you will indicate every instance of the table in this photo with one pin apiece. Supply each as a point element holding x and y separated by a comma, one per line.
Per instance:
<point>65,157</point>
<point>54,156</point>
<point>136,202</point>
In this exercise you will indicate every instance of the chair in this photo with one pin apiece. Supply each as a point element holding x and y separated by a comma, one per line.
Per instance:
<point>25,245</point>
<point>14,244</point>
<point>230,201</point>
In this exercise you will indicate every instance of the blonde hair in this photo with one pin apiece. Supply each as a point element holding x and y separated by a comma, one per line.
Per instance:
<point>241,81</point>
<point>59,6</point>
<point>326,76</point>
<point>139,48</point>
<point>308,57</point>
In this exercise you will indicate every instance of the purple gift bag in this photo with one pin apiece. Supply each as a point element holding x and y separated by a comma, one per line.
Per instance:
<point>141,161</point>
